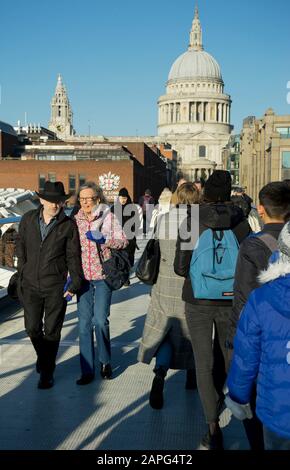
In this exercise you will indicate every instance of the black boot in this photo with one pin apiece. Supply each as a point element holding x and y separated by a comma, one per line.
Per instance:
<point>106,371</point>
<point>50,349</point>
<point>156,393</point>
<point>38,346</point>
<point>46,381</point>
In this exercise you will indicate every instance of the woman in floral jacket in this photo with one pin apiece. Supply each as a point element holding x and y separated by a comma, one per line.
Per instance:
<point>95,222</point>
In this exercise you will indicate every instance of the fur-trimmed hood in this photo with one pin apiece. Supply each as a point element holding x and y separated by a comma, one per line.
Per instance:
<point>278,267</point>
<point>276,288</point>
<point>280,260</point>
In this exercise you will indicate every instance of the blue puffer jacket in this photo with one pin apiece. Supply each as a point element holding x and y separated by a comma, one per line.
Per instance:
<point>262,350</point>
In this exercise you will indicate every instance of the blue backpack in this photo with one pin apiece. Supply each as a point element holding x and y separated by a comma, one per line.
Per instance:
<point>213,264</point>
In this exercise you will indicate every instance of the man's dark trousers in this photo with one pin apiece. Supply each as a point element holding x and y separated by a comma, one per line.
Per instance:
<point>44,313</point>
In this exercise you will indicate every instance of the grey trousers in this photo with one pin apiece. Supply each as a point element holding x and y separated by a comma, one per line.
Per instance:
<point>210,354</point>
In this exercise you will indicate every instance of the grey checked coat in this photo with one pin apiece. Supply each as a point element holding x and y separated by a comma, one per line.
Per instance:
<point>165,315</point>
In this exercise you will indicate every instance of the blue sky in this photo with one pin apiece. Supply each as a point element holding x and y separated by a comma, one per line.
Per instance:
<point>115,57</point>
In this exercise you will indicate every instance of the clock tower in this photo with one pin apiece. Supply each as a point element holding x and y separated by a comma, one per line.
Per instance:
<point>61,121</point>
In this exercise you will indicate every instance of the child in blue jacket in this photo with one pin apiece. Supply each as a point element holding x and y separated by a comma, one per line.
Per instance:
<point>262,351</point>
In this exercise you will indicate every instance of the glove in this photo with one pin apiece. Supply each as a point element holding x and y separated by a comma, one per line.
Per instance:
<point>95,236</point>
<point>239,411</point>
<point>66,287</point>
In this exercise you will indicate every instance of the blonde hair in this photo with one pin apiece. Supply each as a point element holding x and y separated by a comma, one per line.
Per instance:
<point>187,193</point>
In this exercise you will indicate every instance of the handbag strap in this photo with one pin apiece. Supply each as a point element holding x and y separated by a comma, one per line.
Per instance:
<point>100,254</point>
<point>101,216</point>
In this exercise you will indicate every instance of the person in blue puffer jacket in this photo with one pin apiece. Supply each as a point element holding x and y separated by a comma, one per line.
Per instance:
<point>262,351</point>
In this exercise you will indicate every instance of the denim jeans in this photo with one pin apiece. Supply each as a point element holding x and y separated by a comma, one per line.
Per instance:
<point>164,355</point>
<point>94,303</point>
<point>275,442</point>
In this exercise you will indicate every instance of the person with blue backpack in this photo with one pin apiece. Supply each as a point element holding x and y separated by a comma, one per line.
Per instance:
<point>254,254</point>
<point>208,266</point>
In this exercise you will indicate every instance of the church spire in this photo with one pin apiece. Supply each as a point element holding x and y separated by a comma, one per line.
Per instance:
<point>195,38</point>
<point>61,113</point>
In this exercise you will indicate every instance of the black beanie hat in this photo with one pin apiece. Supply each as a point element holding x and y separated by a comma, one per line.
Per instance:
<point>218,186</point>
<point>124,192</point>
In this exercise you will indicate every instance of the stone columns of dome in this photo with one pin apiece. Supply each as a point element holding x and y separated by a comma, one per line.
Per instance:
<point>186,112</point>
<point>198,111</point>
<point>171,112</point>
<point>191,112</point>
<point>178,112</point>
<point>212,111</point>
<point>219,112</point>
<point>207,115</point>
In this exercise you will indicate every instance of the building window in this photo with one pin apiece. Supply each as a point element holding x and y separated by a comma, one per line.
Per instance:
<point>52,177</point>
<point>202,151</point>
<point>59,111</point>
<point>41,181</point>
<point>285,171</point>
<point>72,182</point>
<point>82,180</point>
<point>284,132</point>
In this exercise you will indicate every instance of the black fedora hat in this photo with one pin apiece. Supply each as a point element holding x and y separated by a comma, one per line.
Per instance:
<point>53,192</point>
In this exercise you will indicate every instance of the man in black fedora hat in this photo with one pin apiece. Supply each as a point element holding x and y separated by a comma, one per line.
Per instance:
<point>48,249</point>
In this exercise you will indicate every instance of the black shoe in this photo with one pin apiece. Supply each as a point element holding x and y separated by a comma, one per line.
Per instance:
<point>213,441</point>
<point>106,371</point>
<point>45,382</point>
<point>85,379</point>
<point>190,383</point>
<point>156,394</point>
<point>37,366</point>
<point>127,283</point>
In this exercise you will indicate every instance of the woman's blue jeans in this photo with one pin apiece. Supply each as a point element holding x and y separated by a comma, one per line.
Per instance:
<point>164,355</point>
<point>94,303</point>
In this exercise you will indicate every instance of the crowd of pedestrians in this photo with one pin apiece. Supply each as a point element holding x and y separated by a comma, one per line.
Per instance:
<point>219,308</point>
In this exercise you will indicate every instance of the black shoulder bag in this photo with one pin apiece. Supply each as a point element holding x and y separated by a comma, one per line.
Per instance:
<point>148,265</point>
<point>116,268</point>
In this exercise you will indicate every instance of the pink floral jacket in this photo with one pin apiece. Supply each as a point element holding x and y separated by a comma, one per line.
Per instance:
<point>112,231</point>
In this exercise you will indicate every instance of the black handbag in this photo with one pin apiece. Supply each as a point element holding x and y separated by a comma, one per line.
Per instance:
<point>116,268</point>
<point>13,286</point>
<point>148,265</point>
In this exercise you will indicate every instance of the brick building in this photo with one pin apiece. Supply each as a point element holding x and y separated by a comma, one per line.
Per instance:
<point>133,165</point>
